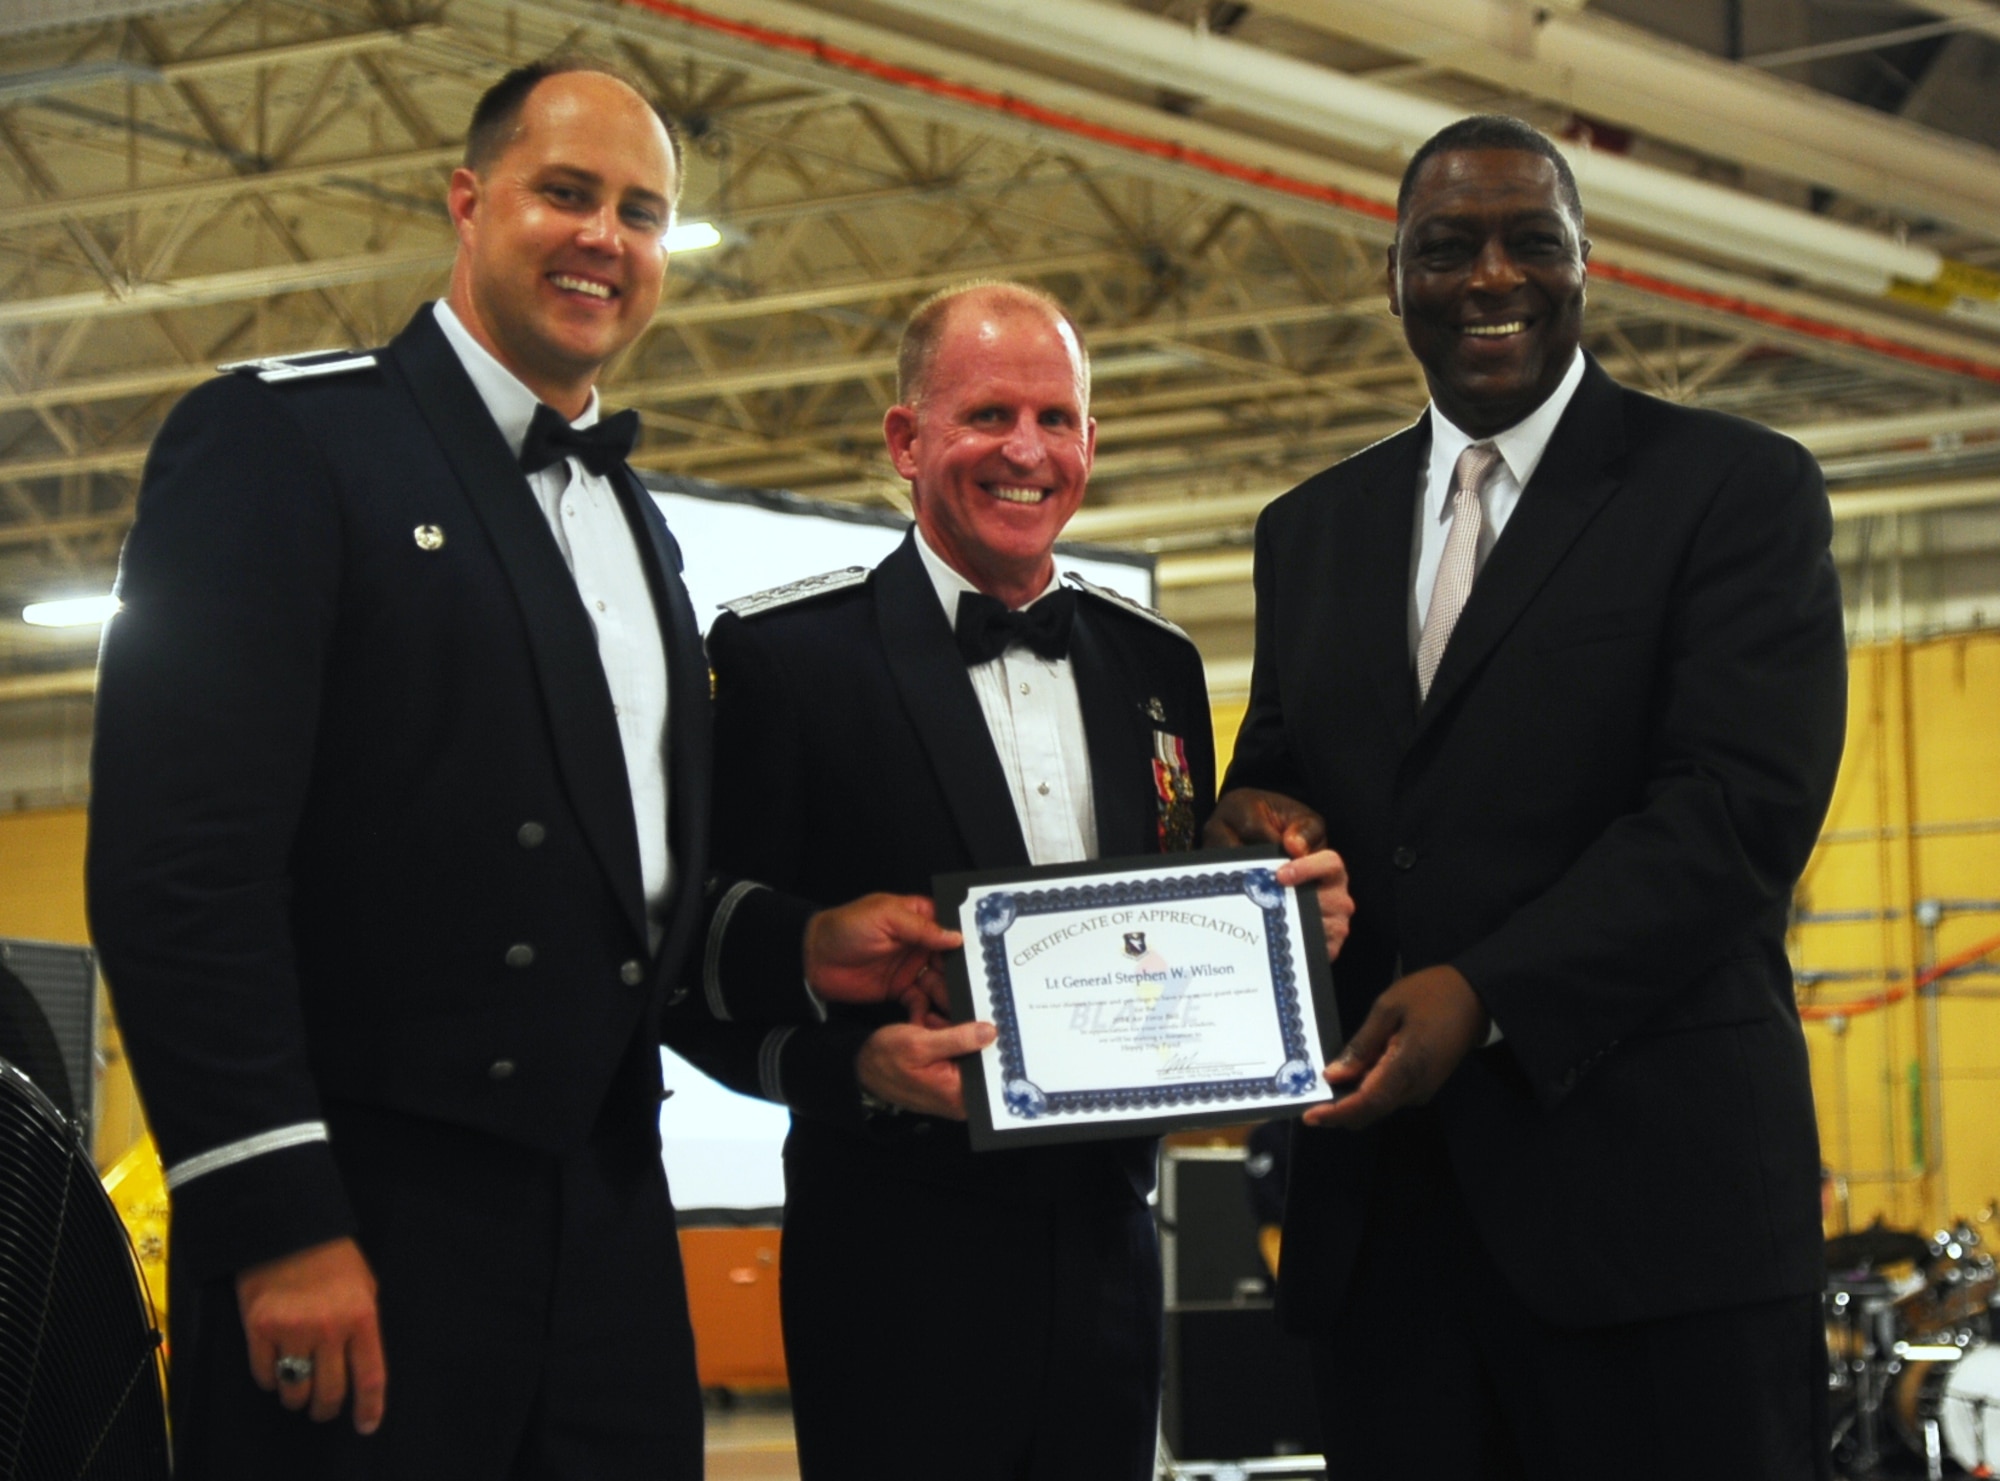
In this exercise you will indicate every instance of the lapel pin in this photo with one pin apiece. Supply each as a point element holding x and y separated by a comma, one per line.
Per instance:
<point>1155,711</point>
<point>429,537</point>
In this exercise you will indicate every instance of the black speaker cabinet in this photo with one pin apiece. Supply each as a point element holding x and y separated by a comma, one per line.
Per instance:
<point>1208,1237</point>
<point>62,980</point>
<point>1237,1387</point>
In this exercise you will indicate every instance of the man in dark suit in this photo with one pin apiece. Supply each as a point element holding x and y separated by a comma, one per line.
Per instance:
<point>399,858</point>
<point>959,708</point>
<point>1561,1222</point>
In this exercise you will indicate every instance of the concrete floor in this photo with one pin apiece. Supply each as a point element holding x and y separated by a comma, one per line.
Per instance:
<point>751,1440</point>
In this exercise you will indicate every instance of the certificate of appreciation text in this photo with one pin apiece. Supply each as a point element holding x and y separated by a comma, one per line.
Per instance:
<point>1138,996</point>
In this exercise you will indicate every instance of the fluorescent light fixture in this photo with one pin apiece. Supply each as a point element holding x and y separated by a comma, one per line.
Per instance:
<point>70,612</point>
<point>692,236</point>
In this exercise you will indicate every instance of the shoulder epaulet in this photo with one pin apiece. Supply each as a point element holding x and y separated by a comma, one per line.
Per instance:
<point>1124,603</point>
<point>797,591</point>
<point>274,368</point>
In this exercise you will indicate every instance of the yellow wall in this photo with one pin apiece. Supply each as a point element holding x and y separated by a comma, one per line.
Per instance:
<point>41,899</point>
<point>41,875</point>
<point>1916,817</point>
<point>1227,716</point>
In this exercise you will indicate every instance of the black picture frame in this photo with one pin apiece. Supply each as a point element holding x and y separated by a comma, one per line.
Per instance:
<point>1147,879</point>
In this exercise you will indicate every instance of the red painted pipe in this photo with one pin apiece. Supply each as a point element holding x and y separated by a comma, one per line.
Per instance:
<point>1901,990</point>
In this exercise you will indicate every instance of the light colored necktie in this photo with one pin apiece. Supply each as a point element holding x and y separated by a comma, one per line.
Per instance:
<point>1459,563</point>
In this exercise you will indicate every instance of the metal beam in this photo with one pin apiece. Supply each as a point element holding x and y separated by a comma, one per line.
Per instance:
<point>26,86</point>
<point>701,387</point>
<point>188,192</point>
<point>106,460</point>
<point>254,282</point>
<point>58,529</point>
<point>16,687</point>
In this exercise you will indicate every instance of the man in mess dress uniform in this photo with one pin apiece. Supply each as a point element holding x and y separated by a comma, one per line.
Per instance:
<point>400,859</point>
<point>961,706</point>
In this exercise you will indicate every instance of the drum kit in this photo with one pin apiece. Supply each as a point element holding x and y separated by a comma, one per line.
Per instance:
<point>1913,1365</point>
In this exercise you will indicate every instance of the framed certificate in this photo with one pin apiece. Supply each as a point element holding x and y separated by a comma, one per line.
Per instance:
<point>1135,996</point>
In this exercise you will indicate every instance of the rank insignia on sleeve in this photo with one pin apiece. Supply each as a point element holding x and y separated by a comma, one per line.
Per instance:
<point>1173,790</point>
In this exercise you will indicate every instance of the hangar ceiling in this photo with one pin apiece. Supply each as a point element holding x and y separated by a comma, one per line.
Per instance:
<point>1795,204</point>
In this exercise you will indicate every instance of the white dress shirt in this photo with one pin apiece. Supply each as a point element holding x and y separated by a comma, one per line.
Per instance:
<point>1521,447</point>
<point>591,531</point>
<point>1036,721</point>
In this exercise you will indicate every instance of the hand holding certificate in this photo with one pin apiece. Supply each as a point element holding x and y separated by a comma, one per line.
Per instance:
<point>1138,996</point>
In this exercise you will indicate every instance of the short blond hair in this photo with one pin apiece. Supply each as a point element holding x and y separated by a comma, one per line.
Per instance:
<point>928,320</point>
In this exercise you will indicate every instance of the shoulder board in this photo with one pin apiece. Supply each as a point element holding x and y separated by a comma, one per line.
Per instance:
<point>1124,603</point>
<point>797,591</point>
<point>274,368</point>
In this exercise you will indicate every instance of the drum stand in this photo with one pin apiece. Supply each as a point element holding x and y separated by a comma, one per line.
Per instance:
<point>1979,1437</point>
<point>1863,1313</point>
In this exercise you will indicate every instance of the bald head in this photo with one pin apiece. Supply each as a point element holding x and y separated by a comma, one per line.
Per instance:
<point>497,119</point>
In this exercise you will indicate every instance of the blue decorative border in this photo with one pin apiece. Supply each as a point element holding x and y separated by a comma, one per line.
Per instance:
<point>997,912</point>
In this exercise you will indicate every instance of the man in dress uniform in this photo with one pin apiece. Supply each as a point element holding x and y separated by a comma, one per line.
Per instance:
<point>1561,669</point>
<point>399,859</point>
<point>959,707</point>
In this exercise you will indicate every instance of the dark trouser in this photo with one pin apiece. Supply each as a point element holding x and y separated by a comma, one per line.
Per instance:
<point>1435,1368</point>
<point>533,1316</point>
<point>936,1333</point>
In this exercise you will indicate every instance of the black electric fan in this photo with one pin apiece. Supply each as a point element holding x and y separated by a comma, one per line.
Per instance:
<point>79,1365</point>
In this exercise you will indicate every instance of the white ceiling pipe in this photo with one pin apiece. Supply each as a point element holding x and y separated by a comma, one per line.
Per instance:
<point>1710,218</point>
<point>1860,434</point>
<point>1634,78</point>
<point>1914,498</point>
<point>1301,95</point>
<point>1984,12</point>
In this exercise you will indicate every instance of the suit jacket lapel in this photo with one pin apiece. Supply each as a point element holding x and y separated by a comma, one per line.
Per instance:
<point>1567,489</point>
<point>1120,741</point>
<point>691,742</point>
<point>1372,572</point>
<point>938,698</point>
<point>560,637</point>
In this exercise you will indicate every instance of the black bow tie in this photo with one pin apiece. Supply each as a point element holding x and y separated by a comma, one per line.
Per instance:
<point>600,448</point>
<point>985,627</point>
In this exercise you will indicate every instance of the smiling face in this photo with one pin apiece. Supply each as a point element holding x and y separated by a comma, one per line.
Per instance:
<point>1487,275</point>
<point>561,238</point>
<point>998,447</point>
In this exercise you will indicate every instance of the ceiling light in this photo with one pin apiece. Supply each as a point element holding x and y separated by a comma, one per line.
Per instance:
<point>692,236</point>
<point>70,612</point>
